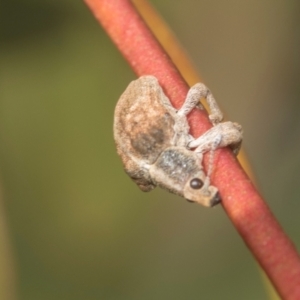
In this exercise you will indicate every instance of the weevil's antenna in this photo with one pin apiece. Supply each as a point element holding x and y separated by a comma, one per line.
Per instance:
<point>213,148</point>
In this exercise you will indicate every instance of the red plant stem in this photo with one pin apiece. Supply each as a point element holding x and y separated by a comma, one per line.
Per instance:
<point>245,207</point>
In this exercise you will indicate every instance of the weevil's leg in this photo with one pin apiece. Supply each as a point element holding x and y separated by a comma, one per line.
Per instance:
<point>227,133</point>
<point>196,92</point>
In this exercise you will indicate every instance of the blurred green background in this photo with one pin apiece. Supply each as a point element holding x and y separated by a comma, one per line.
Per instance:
<point>73,225</point>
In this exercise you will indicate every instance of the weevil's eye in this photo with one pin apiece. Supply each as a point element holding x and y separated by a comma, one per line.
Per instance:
<point>196,183</point>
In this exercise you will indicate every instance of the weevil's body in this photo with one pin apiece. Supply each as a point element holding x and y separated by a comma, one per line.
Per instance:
<point>153,140</point>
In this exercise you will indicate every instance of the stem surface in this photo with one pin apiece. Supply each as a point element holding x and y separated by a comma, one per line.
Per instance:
<point>244,205</point>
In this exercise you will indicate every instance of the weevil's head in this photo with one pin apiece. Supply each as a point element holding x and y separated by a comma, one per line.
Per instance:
<point>179,171</point>
<point>197,190</point>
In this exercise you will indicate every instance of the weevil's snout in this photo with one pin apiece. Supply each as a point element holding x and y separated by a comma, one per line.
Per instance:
<point>215,200</point>
<point>206,195</point>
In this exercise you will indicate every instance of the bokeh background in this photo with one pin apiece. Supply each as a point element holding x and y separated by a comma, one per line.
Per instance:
<point>73,225</point>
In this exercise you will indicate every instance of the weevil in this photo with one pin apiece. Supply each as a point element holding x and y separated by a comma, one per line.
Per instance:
<point>153,140</point>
